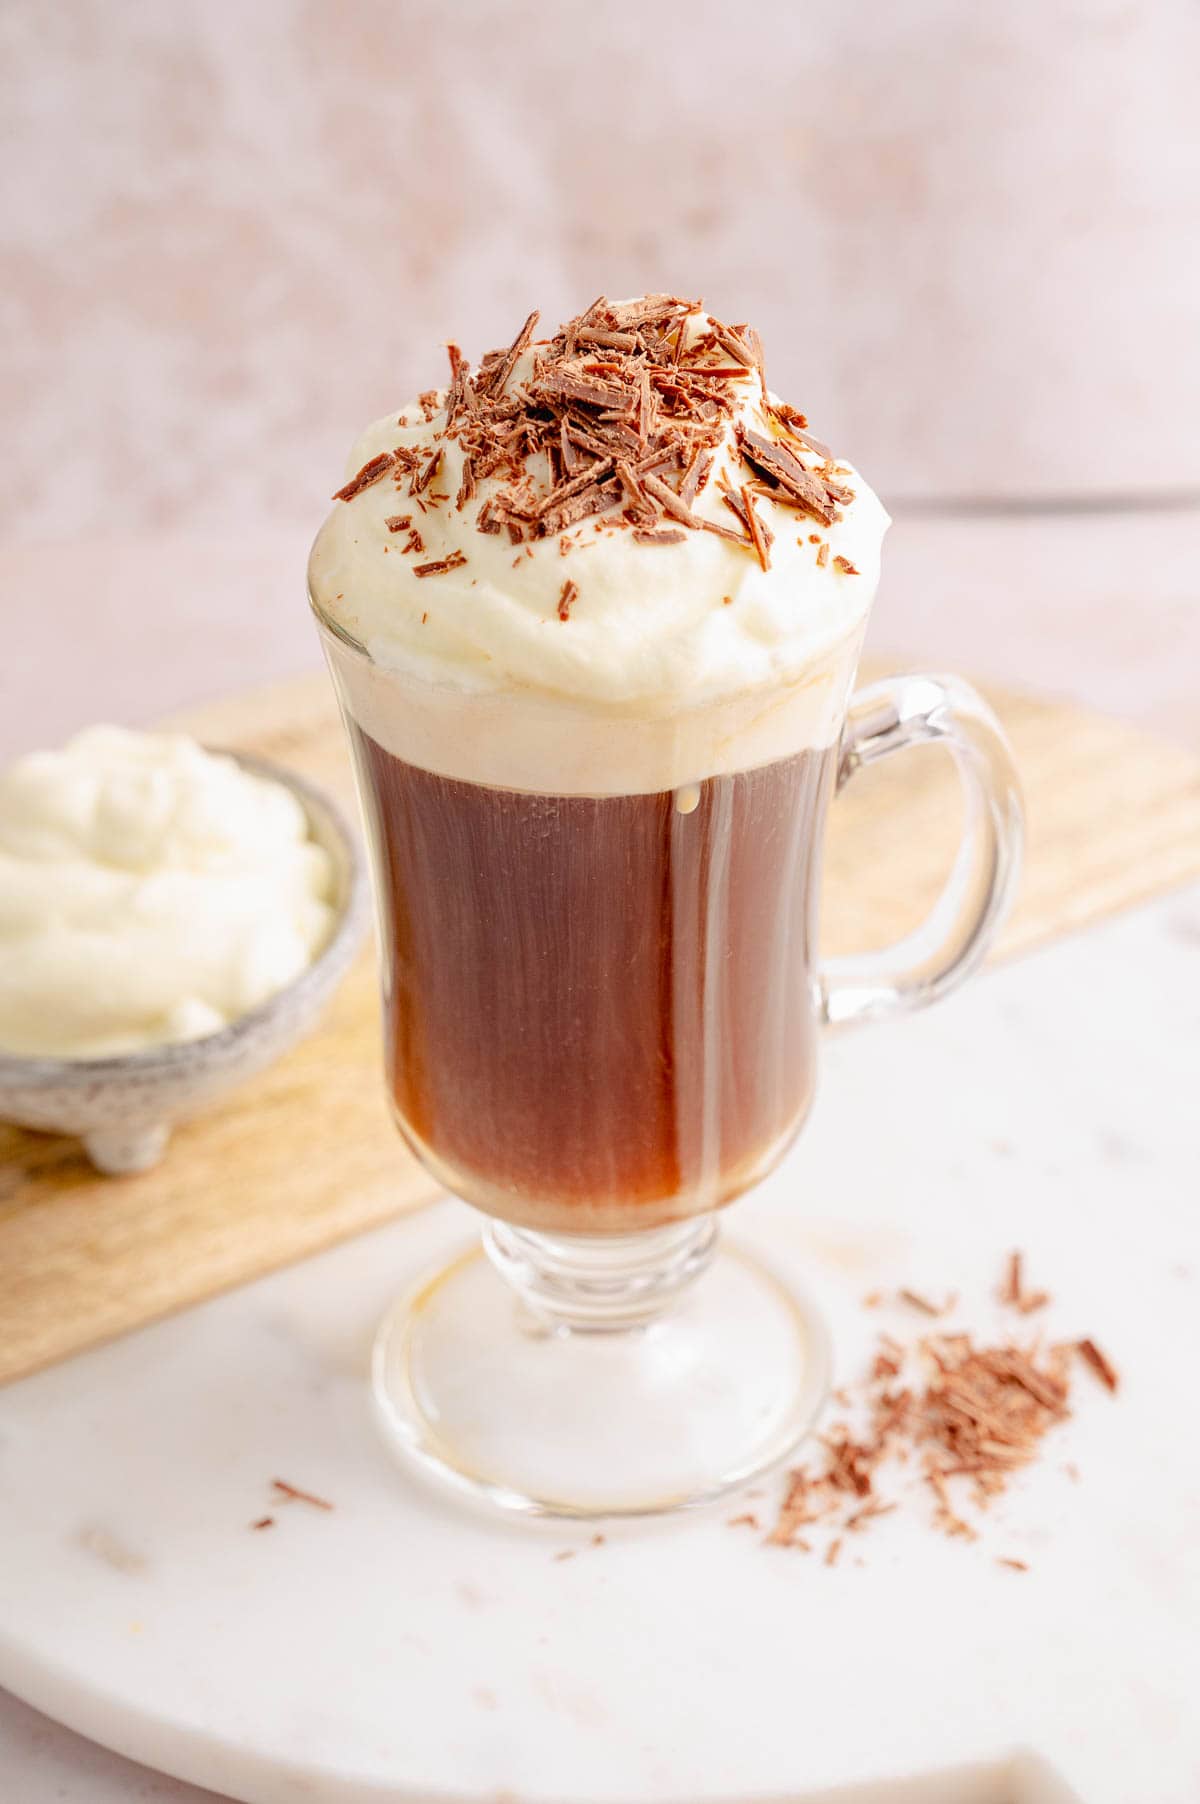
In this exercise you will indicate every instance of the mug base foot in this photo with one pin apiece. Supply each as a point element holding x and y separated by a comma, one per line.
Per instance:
<point>541,1419</point>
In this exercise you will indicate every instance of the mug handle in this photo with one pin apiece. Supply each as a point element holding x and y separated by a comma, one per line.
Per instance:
<point>891,716</point>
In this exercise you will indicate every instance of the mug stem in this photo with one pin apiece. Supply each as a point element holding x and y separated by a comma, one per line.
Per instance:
<point>591,1283</point>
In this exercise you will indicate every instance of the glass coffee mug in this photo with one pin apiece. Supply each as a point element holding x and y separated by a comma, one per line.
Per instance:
<point>601,1020</point>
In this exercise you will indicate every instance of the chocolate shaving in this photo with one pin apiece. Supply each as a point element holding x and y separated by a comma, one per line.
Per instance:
<point>466,487</point>
<point>790,476</point>
<point>822,554</point>
<point>458,371</point>
<point>1012,1288</point>
<point>294,1495</point>
<point>735,504</point>
<point>397,522</point>
<point>652,308</point>
<point>736,346</point>
<point>712,373</point>
<point>1103,1367</point>
<point>640,508</point>
<point>845,566</point>
<point>868,1512</point>
<point>577,387</point>
<point>695,476</point>
<point>597,307</point>
<point>370,472</point>
<point>615,435</point>
<point>596,498</point>
<point>657,460</point>
<point>645,404</point>
<point>917,1301</point>
<point>567,595</point>
<point>616,341</point>
<point>795,1512</point>
<point>758,532</point>
<point>427,474</point>
<point>455,561</point>
<point>501,372</point>
<point>806,439</point>
<point>663,537</point>
<point>678,509</point>
<point>723,532</point>
<point>755,343</point>
<point>574,486</point>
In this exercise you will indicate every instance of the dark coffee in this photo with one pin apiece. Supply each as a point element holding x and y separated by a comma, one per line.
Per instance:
<point>598,1012</point>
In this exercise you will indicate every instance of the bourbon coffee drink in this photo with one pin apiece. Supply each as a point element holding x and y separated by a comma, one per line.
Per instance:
<point>593,611</point>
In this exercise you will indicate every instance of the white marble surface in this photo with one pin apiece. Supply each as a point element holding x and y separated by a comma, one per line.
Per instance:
<point>398,1647</point>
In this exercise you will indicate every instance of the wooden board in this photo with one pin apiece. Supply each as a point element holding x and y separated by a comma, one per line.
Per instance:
<point>306,1154</point>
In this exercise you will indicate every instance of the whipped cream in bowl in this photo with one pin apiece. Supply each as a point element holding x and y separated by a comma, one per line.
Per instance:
<point>171,920</point>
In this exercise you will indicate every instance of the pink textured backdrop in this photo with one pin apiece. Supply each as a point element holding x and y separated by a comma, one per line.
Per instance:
<point>233,230</point>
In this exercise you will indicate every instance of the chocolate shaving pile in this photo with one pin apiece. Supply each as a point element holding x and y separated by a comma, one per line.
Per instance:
<point>617,423</point>
<point>965,1417</point>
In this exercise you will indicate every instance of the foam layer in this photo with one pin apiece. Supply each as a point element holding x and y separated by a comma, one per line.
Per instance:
<point>525,738</point>
<point>677,661</point>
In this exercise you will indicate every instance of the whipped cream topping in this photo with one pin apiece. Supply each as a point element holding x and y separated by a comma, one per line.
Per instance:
<point>150,892</point>
<point>682,636</point>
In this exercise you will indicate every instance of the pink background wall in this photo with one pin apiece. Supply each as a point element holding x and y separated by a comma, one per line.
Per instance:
<point>236,229</point>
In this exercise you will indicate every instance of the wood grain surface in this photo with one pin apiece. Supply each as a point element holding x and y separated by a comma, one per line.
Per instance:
<point>306,1154</point>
